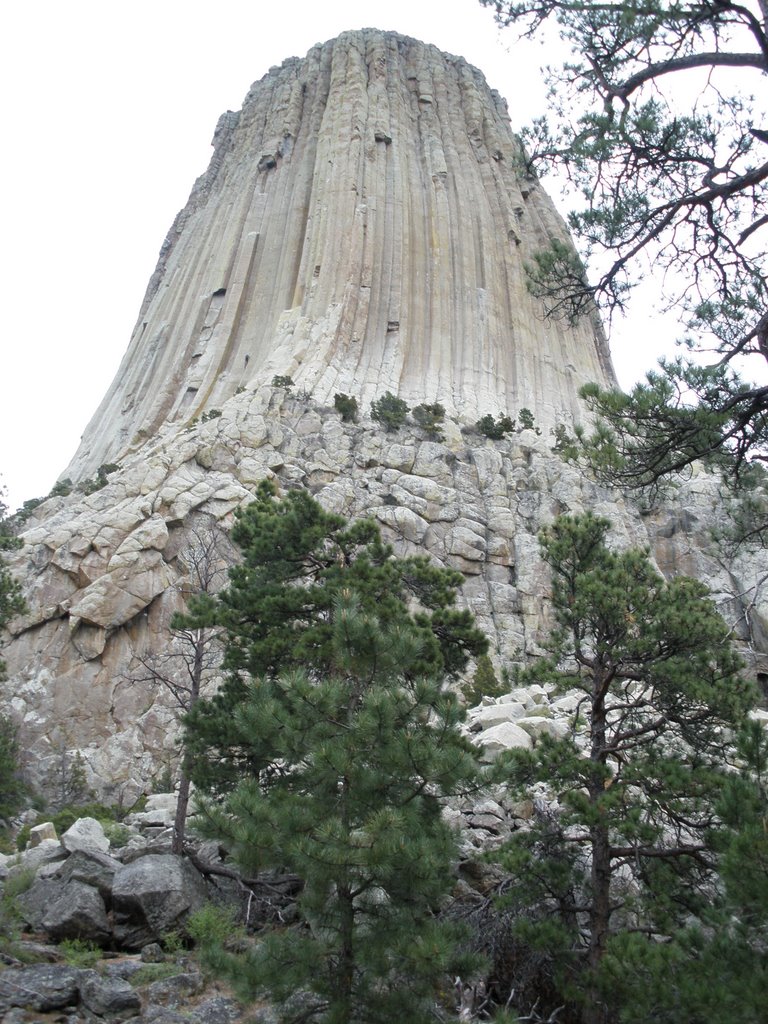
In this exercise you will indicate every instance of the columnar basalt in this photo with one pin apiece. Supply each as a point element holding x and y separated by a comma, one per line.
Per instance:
<point>362,227</point>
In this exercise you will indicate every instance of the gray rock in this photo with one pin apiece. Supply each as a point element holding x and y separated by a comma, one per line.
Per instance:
<point>175,991</point>
<point>154,895</point>
<point>499,738</point>
<point>85,834</point>
<point>111,998</point>
<point>41,987</point>
<point>152,953</point>
<point>34,904</point>
<point>48,851</point>
<point>92,868</point>
<point>45,830</point>
<point>218,1010</point>
<point>77,912</point>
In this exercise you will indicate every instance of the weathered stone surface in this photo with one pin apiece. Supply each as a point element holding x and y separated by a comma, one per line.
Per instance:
<point>108,998</point>
<point>85,834</point>
<point>152,896</point>
<point>224,310</point>
<point>40,987</point>
<point>299,268</point>
<point>502,737</point>
<point>92,868</point>
<point>45,830</point>
<point>77,912</point>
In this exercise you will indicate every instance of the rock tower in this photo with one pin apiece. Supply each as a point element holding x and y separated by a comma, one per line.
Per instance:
<point>362,227</point>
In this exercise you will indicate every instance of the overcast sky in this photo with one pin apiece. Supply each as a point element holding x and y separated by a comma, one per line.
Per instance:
<point>108,110</point>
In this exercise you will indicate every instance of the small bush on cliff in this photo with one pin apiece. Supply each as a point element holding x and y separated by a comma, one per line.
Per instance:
<point>347,406</point>
<point>430,418</point>
<point>495,429</point>
<point>390,411</point>
<point>282,381</point>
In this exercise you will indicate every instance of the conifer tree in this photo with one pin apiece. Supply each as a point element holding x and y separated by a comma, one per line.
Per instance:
<point>277,613</point>
<point>627,849</point>
<point>354,761</point>
<point>327,752</point>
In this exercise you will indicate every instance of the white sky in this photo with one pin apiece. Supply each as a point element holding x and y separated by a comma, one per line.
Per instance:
<point>108,110</point>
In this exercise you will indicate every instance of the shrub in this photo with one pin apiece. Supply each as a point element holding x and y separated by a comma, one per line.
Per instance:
<point>79,953</point>
<point>212,414</point>
<point>213,926</point>
<point>12,788</point>
<point>484,683</point>
<point>347,406</point>
<point>495,428</point>
<point>429,418</point>
<point>390,411</point>
<point>282,382</point>
<point>527,422</point>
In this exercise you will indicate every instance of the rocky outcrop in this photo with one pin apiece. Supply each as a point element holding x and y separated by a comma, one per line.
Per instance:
<point>363,227</point>
<point>472,504</point>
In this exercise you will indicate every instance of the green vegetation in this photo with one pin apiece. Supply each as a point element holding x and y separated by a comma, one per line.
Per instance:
<point>526,420</point>
<point>484,683</point>
<point>284,382</point>
<point>214,927</point>
<point>430,418</point>
<point>12,789</point>
<point>79,953</point>
<point>95,483</point>
<point>327,750</point>
<point>212,414</point>
<point>626,858</point>
<point>667,159</point>
<point>390,411</point>
<point>495,429</point>
<point>346,406</point>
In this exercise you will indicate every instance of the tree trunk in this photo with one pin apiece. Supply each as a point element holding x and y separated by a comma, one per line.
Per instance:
<point>595,1011</point>
<point>180,821</point>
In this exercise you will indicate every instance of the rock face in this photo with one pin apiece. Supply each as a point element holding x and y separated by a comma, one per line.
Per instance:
<point>472,504</point>
<point>362,228</point>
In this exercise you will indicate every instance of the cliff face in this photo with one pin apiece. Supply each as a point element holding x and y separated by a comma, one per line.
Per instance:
<point>362,227</point>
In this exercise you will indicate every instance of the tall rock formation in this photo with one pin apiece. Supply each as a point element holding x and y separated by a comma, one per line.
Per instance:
<point>362,227</point>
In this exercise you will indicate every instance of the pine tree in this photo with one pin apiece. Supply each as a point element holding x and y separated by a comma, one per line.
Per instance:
<point>328,751</point>
<point>627,849</point>
<point>277,613</point>
<point>354,762</point>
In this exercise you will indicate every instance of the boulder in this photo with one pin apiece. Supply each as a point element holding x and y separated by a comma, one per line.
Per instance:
<point>46,852</point>
<point>537,726</point>
<point>41,987</point>
<point>495,714</point>
<point>85,834</point>
<point>173,992</point>
<point>110,998</point>
<point>33,905</point>
<point>77,912</point>
<point>92,868</point>
<point>38,833</point>
<point>154,895</point>
<point>506,736</point>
